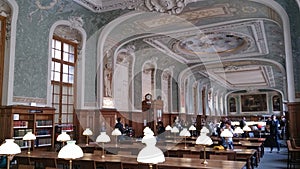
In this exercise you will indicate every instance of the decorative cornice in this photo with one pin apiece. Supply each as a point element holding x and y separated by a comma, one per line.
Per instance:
<point>163,6</point>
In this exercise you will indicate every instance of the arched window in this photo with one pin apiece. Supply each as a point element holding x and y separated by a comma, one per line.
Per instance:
<point>276,103</point>
<point>66,42</point>
<point>232,104</point>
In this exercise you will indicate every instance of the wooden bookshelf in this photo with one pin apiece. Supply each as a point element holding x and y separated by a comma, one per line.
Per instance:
<point>17,120</point>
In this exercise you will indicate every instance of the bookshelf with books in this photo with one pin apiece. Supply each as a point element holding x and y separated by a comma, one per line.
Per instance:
<point>17,120</point>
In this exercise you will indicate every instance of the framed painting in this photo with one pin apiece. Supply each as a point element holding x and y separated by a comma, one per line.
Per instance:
<point>254,102</point>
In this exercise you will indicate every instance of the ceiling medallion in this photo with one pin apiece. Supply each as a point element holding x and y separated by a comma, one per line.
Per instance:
<point>211,43</point>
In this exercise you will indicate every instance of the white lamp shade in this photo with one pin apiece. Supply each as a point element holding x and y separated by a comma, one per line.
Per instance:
<point>184,132</point>
<point>168,128</point>
<point>203,139</point>
<point>204,130</point>
<point>70,151</point>
<point>29,136</point>
<point>148,131</point>
<point>63,137</point>
<point>87,132</point>
<point>116,132</point>
<point>175,130</point>
<point>150,154</point>
<point>10,147</point>
<point>226,133</point>
<point>238,130</point>
<point>246,128</point>
<point>103,138</point>
<point>192,128</point>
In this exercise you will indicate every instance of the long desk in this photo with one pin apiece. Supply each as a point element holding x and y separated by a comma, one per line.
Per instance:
<point>169,161</point>
<point>174,151</point>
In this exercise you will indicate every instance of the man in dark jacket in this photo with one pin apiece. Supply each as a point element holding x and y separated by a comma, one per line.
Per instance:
<point>274,133</point>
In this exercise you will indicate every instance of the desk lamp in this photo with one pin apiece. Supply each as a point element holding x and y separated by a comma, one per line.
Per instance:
<point>185,133</point>
<point>70,151</point>
<point>226,134</point>
<point>116,132</point>
<point>204,140</point>
<point>87,132</point>
<point>150,154</point>
<point>192,128</point>
<point>246,129</point>
<point>238,131</point>
<point>63,137</point>
<point>9,148</point>
<point>29,136</point>
<point>103,138</point>
<point>168,128</point>
<point>174,130</point>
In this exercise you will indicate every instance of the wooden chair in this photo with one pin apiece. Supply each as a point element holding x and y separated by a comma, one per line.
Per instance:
<point>23,166</point>
<point>218,157</point>
<point>293,155</point>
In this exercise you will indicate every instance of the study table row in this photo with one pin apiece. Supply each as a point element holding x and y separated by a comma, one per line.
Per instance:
<point>131,161</point>
<point>247,155</point>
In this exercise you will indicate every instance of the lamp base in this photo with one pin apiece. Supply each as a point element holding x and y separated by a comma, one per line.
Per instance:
<point>204,162</point>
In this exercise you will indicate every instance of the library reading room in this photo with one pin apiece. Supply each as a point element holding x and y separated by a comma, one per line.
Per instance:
<point>149,84</point>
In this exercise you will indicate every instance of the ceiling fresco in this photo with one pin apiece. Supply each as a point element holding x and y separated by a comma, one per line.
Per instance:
<point>244,36</point>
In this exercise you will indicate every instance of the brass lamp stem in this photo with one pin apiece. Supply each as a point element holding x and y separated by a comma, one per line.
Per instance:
<point>116,141</point>
<point>204,162</point>
<point>185,142</point>
<point>87,140</point>
<point>70,164</point>
<point>8,161</point>
<point>103,150</point>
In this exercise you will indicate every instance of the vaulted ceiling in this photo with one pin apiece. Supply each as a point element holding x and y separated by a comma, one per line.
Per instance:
<point>238,44</point>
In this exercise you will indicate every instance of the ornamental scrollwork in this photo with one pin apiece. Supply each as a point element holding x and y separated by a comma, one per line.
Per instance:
<point>165,6</point>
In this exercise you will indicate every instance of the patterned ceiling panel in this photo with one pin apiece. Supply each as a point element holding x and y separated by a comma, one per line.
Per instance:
<point>225,41</point>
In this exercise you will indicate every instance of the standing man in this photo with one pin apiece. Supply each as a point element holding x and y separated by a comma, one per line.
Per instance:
<point>274,133</point>
<point>242,125</point>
